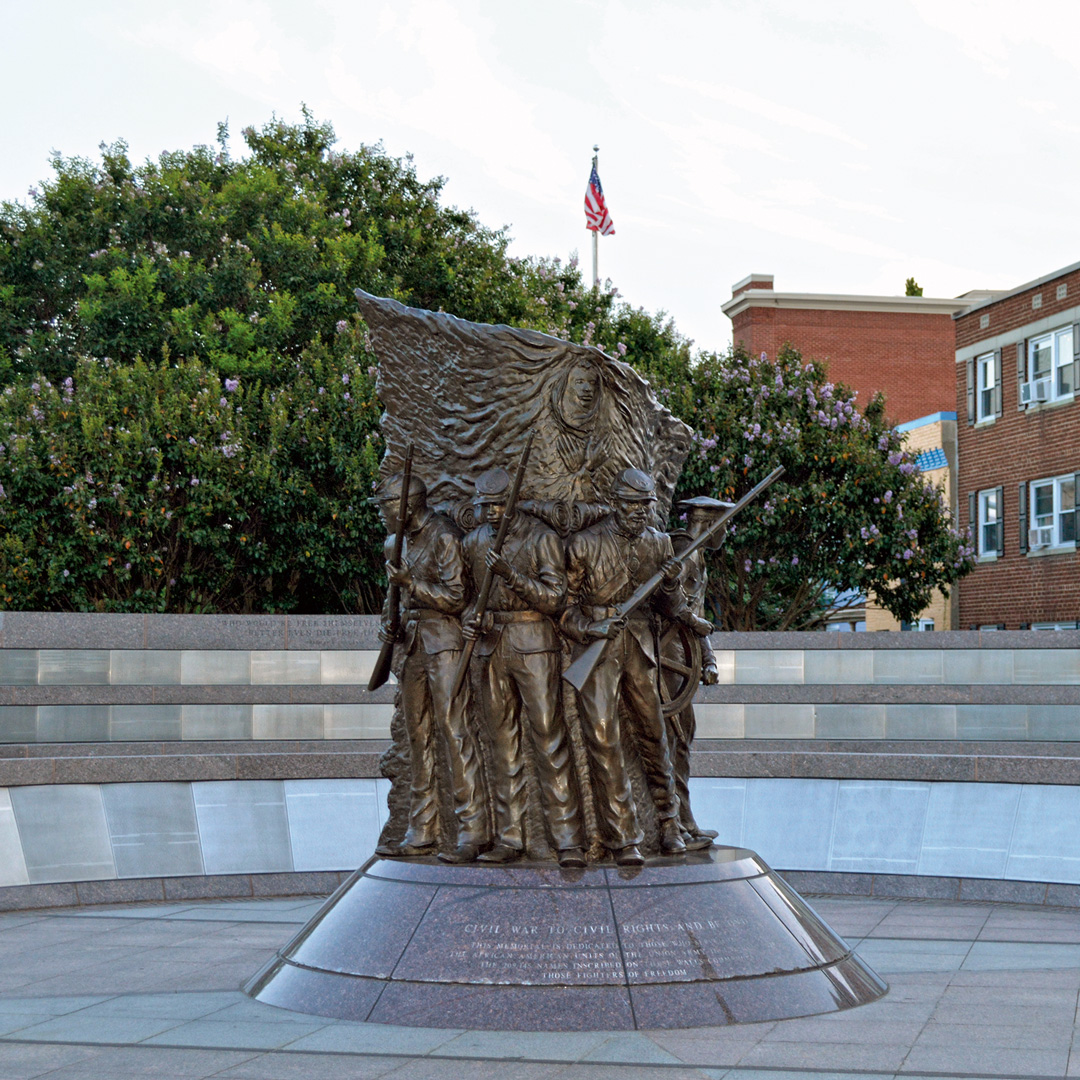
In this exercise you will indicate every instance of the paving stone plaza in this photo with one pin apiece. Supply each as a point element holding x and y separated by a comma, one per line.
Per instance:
<point>976,990</point>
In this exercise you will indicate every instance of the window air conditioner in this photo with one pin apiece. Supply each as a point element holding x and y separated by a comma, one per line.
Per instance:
<point>1036,390</point>
<point>1043,537</point>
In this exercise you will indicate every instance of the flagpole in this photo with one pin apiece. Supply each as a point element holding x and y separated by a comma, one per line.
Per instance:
<point>595,236</point>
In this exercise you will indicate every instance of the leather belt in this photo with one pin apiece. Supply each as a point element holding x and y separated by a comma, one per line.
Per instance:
<point>425,613</point>
<point>515,616</point>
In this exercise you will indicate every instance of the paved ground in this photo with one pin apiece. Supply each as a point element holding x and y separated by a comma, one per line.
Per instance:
<point>977,990</point>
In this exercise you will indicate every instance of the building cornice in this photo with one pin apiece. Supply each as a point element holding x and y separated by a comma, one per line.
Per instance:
<point>766,298</point>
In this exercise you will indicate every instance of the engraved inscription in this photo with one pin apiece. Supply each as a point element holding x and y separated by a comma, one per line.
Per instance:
<point>543,953</point>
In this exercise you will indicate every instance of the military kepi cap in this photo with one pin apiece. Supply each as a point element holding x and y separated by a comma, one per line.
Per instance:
<point>390,488</point>
<point>632,485</point>
<point>493,486</point>
<point>705,502</point>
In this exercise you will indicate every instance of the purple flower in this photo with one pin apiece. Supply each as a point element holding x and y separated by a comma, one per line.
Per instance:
<point>887,497</point>
<point>794,560</point>
<point>66,573</point>
<point>223,403</point>
<point>231,385</point>
<point>748,566</point>
<point>194,481</point>
<point>908,553</point>
<point>895,457</point>
<point>345,378</point>
<point>341,326</point>
<point>191,439</point>
<point>764,356</point>
<point>127,566</point>
<point>622,349</point>
<point>347,396</point>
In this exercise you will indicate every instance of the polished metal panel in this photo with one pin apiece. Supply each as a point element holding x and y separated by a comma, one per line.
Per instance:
<point>287,722</point>
<point>769,666</point>
<point>828,666</point>
<point>790,821</point>
<point>725,665</point>
<point>69,667</point>
<point>357,721</point>
<point>18,723</point>
<point>1054,722</point>
<point>849,721</point>
<point>243,825</point>
<point>279,667</point>
<point>720,720</point>
<point>348,666</point>
<point>215,667</point>
<point>992,722</point>
<point>906,666</point>
<point>968,829</point>
<point>73,723</point>
<point>1045,844</point>
<point>144,667</point>
<point>136,723</point>
<point>920,721</point>
<point>63,831</point>
<point>153,830</point>
<point>12,863</point>
<point>779,721</point>
<point>333,824</point>
<point>18,667</point>
<point>216,722</point>
<point>878,826</point>
<point>993,666</point>
<point>1053,666</point>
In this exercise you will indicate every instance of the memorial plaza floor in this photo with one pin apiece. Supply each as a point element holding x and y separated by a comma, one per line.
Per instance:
<point>976,990</point>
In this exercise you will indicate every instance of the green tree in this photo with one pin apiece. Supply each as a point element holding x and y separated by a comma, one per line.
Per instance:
<point>912,287</point>
<point>156,487</point>
<point>852,511</point>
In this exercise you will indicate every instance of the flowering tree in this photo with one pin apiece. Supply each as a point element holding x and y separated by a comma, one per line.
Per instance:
<point>852,511</point>
<point>137,487</point>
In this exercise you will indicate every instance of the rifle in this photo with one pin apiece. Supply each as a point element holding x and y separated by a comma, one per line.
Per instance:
<point>489,574</point>
<point>381,672</point>
<point>577,674</point>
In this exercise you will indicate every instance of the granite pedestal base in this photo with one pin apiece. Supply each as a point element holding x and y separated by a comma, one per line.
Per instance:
<point>714,938</point>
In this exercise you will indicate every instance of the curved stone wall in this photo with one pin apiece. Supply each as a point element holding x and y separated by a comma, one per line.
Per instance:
<point>104,832</point>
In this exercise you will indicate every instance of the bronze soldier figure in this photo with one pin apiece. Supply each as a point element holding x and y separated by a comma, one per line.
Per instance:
<point>520,658</point>
<point>701,512</point>
<point>605,563</point>
<point>432,580</point>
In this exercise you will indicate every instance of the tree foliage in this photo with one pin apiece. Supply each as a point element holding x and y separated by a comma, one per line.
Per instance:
<point>190,421</point>
<point>852,511</point>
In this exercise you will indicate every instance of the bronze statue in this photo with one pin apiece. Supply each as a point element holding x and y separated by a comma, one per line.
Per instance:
<point>597,456</point>
<point>701,512</point>
<point>605,564</point>
<point>431,579</point>
<point>521,663</point>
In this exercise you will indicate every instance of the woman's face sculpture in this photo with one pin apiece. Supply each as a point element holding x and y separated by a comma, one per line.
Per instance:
<point>582,391</point>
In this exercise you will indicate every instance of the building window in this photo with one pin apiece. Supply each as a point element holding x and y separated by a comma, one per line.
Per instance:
<point>1053,625</point>
<point>919,624</point>
<point>990,524</point>
<point>1053,512</point>
<point>1050,366</point>
<point>985,375</point>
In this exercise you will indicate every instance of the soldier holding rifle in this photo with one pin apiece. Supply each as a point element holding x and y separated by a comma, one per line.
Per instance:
<point>701,512</point>
<point>431,580</point>
<point>606,563</point>
<point>520,662</point>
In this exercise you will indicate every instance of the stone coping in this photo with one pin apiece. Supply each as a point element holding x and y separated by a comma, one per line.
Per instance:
<point>810,883</point>
<point>103,763</point>
<point>67,630</point>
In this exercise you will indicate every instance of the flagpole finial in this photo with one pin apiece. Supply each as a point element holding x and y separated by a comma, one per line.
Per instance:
<point>595,149</point>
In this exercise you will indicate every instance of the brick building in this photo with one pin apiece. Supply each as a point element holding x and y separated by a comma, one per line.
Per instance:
<point>898,344</point>
<point>1017,373</point>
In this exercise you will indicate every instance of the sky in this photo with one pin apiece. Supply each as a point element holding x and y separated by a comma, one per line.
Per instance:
<point>840,146</point>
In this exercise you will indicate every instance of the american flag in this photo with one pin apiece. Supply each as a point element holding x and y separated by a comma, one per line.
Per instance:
<point>597,218</point>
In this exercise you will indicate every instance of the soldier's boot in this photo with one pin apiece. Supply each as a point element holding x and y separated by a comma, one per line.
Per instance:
<point>572,858</point>
<point>696,842</point>
<point>629,856</point>
<point>500,853</point>
<point>465,852</point>
<point>671,841</point>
